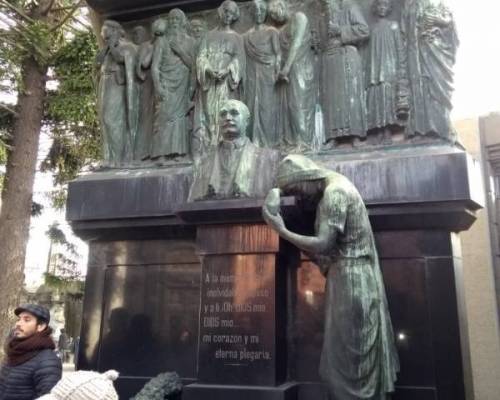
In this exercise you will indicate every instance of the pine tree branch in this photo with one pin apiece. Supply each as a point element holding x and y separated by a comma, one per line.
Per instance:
<point>11,110</point>
<point>68,16</point>
<point>16,10</point>
<point>13,43</point>
<point>56,9</point>
<point>16,27</point>
<point>46,9</point>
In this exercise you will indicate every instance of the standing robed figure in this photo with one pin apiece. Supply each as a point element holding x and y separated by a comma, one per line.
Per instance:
<point>343,90</point>
<point>431,44</point>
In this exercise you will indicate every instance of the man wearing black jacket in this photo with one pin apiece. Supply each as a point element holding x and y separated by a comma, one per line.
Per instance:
<point>31,367</point>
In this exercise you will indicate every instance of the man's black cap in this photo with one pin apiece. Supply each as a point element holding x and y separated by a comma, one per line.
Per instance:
<point>38,311</point>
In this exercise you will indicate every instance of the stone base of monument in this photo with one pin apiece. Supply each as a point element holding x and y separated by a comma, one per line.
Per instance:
<point>207,290</point>
<point>198,391</point>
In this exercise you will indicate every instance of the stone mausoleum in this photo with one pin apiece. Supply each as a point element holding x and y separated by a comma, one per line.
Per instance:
<point>184,274</point>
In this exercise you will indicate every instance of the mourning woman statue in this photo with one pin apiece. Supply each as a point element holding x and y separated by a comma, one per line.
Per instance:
<point>359,358</point>
<point>431,42</point>
<point>173,59</point>
<point>220,69</point>
<point>145,88</point>
<point>343,92</point>
<point>263,51</point>
<point>117,95</point>
<point>386,83</point>
<point>296,78</point>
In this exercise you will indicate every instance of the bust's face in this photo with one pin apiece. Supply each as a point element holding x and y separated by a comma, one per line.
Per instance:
<point>232,121</point>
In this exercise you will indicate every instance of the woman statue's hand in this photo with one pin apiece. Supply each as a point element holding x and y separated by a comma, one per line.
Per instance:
<point>271,210</point>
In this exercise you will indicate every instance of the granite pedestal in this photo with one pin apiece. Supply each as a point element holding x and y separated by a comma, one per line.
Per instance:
<point>207,290</point>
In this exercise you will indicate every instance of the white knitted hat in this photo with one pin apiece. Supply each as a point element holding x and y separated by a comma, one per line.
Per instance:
<point>84,385</point>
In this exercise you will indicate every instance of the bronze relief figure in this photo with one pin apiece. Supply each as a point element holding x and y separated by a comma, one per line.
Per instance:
<point>262,46</point>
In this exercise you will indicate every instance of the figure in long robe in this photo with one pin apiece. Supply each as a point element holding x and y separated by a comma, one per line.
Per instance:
<point>142,144</point>
<point>386,84</point>
<point>173,59</point>
<point>359,358</point>
<point>343,91</point>
<point>198,31</point>
<point>296,79</point>
<point>262,46</point>
<point>431,44</point>
<point>220,68</point>
<point>117,95</point>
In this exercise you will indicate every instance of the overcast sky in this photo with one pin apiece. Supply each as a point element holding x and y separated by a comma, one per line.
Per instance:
<point>477,80</point>
<point>477,84</point>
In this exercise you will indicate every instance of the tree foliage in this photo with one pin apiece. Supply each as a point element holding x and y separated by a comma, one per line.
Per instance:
<point>64,256</point>
<point>6,123</point>
<point>71,111</point>
<point>64,43</point>
<point>35,35</point>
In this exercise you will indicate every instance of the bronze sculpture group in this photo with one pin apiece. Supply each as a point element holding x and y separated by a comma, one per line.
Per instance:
<point>181,96</point>
<point>159,98</point>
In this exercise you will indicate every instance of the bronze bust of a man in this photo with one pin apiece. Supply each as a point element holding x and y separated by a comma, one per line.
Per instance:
<point>228,169</point>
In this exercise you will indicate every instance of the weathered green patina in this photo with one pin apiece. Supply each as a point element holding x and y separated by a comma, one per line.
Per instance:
<point>262,46</point>
<point>359,358</point>
<point>228,170</point>
<point>220,67</point>
<point>117,97</point>
<point>172,67</point>
<point>431,45</point>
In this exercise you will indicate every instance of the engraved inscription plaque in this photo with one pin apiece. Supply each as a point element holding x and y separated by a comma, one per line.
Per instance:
<point>237,342</point>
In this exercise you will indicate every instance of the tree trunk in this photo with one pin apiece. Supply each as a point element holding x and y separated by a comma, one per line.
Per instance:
<point>17,193</point>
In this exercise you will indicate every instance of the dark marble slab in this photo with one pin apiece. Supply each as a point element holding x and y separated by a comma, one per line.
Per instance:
<point>402,176</point>
<point>198,391</point>
<point>121,212</point>
<point>237,320</point>
<point>141,310</point>
<point>240,334</point>
<point>135,9</point>
<point>116,194</point>
<point>227,211</point>
<point>419,277</point>
<point>133,337</point>
<point>420,182</point>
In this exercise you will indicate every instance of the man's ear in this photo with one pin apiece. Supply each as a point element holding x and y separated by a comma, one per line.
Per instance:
<point>41,326</point>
